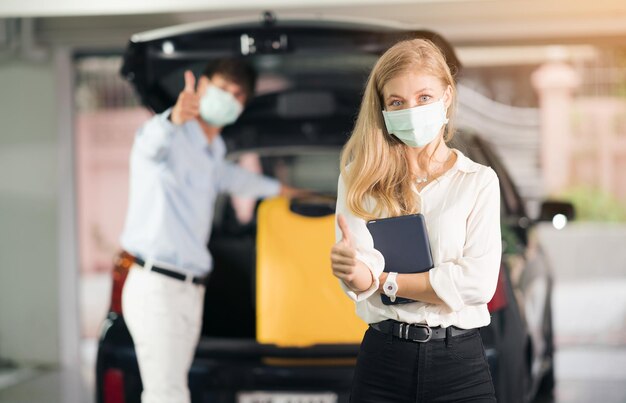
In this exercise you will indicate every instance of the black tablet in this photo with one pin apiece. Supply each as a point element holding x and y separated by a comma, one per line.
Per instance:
<point>403,241</point>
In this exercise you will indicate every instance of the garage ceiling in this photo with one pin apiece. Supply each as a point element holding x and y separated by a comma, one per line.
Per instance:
<point>464,22</point>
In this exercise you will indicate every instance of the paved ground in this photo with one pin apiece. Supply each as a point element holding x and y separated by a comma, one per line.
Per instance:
<point>585,374</point>
<point>590,374</point>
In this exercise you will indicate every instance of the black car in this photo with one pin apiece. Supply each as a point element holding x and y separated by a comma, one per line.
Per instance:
<point>312,73</point>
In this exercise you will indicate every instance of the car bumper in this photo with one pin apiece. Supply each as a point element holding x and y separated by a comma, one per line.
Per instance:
<point>223,368</point>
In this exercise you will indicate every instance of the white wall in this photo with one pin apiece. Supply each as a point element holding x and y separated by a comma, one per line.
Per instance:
<point>29,292</point>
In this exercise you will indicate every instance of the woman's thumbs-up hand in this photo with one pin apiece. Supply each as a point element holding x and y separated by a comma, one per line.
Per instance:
<point>344,263</point>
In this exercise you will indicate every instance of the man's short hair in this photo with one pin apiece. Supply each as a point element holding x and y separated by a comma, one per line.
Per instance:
<point>236,70</point>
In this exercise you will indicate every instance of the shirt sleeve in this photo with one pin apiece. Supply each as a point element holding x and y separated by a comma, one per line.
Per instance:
<point>472,279</point>
<point>154,138</point>
<point>363,242</point>
<point>236,180</point>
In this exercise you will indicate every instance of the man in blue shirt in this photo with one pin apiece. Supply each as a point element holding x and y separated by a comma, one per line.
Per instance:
<point>177,168</point>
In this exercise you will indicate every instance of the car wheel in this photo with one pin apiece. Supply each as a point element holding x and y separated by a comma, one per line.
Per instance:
<point>546,387</point>
<point>526,382</point>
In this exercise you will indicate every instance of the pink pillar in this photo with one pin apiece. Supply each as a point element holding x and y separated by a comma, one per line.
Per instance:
<point>554,82</point>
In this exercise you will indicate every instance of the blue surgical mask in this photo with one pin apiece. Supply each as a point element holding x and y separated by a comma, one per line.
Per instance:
<point>418,126</point>
<point>218,107</point>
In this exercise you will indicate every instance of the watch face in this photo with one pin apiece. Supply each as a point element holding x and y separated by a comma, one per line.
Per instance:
<point>390,288</point>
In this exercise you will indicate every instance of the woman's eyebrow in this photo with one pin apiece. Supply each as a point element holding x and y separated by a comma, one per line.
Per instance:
<point>416,92</point>
<point>423,90</point>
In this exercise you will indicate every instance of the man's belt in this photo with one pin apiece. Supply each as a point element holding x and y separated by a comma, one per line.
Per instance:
<point>189,278</point>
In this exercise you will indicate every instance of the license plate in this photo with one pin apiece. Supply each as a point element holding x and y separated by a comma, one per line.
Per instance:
<point>286,397</point>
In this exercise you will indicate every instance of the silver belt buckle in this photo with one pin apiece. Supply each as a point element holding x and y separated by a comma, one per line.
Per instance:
<point>429,332</point>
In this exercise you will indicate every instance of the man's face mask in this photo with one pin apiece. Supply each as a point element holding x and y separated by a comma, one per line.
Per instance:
<point>218,107</point>
<point>418,126</point>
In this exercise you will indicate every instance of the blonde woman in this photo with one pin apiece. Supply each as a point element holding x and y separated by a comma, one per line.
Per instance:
<point>397,162</point>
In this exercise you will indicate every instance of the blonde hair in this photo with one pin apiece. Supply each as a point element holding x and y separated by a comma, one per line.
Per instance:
<point>379,167</point>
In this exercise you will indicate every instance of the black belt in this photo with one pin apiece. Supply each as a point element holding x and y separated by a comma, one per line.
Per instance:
<point>171,273</point>
<point>416,332</point>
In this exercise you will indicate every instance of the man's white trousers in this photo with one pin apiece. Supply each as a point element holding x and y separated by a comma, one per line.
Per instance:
<point>164,317</point>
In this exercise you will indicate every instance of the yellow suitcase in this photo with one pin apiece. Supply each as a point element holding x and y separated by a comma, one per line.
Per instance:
<point>299,302</point>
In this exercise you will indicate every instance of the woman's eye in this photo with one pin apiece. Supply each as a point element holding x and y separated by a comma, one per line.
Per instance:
<point>425,98</point>
<point>395,103</point>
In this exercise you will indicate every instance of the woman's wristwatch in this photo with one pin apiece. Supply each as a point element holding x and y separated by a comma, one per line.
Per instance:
<point>390,288</point>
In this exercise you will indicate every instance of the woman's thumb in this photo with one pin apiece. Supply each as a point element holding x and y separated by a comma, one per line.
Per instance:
<point>345,231</point>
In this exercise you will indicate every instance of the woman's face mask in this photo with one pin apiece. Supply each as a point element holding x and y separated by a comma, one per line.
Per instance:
<point>218,107</point>
<point>418,126</point>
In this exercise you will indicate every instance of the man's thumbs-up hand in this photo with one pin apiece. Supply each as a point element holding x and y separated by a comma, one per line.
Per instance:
<point>188,104</point>
<point>190,82</point>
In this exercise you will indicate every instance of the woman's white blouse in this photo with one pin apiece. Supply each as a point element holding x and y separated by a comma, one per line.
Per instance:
<point>462,213</point>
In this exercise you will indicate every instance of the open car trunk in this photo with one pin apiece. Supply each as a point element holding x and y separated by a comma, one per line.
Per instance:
<point>305,53</point>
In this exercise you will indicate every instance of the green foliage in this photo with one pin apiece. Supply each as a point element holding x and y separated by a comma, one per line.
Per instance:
<point>593,204</point>
<point>510,241</point>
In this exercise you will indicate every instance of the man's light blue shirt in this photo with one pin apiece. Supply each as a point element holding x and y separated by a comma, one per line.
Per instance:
<point>175,177</point>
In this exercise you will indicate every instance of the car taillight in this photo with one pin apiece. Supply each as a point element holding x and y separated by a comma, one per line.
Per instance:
<point>113,386</point>
<point>499,300</point>
<point>120,271</point>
